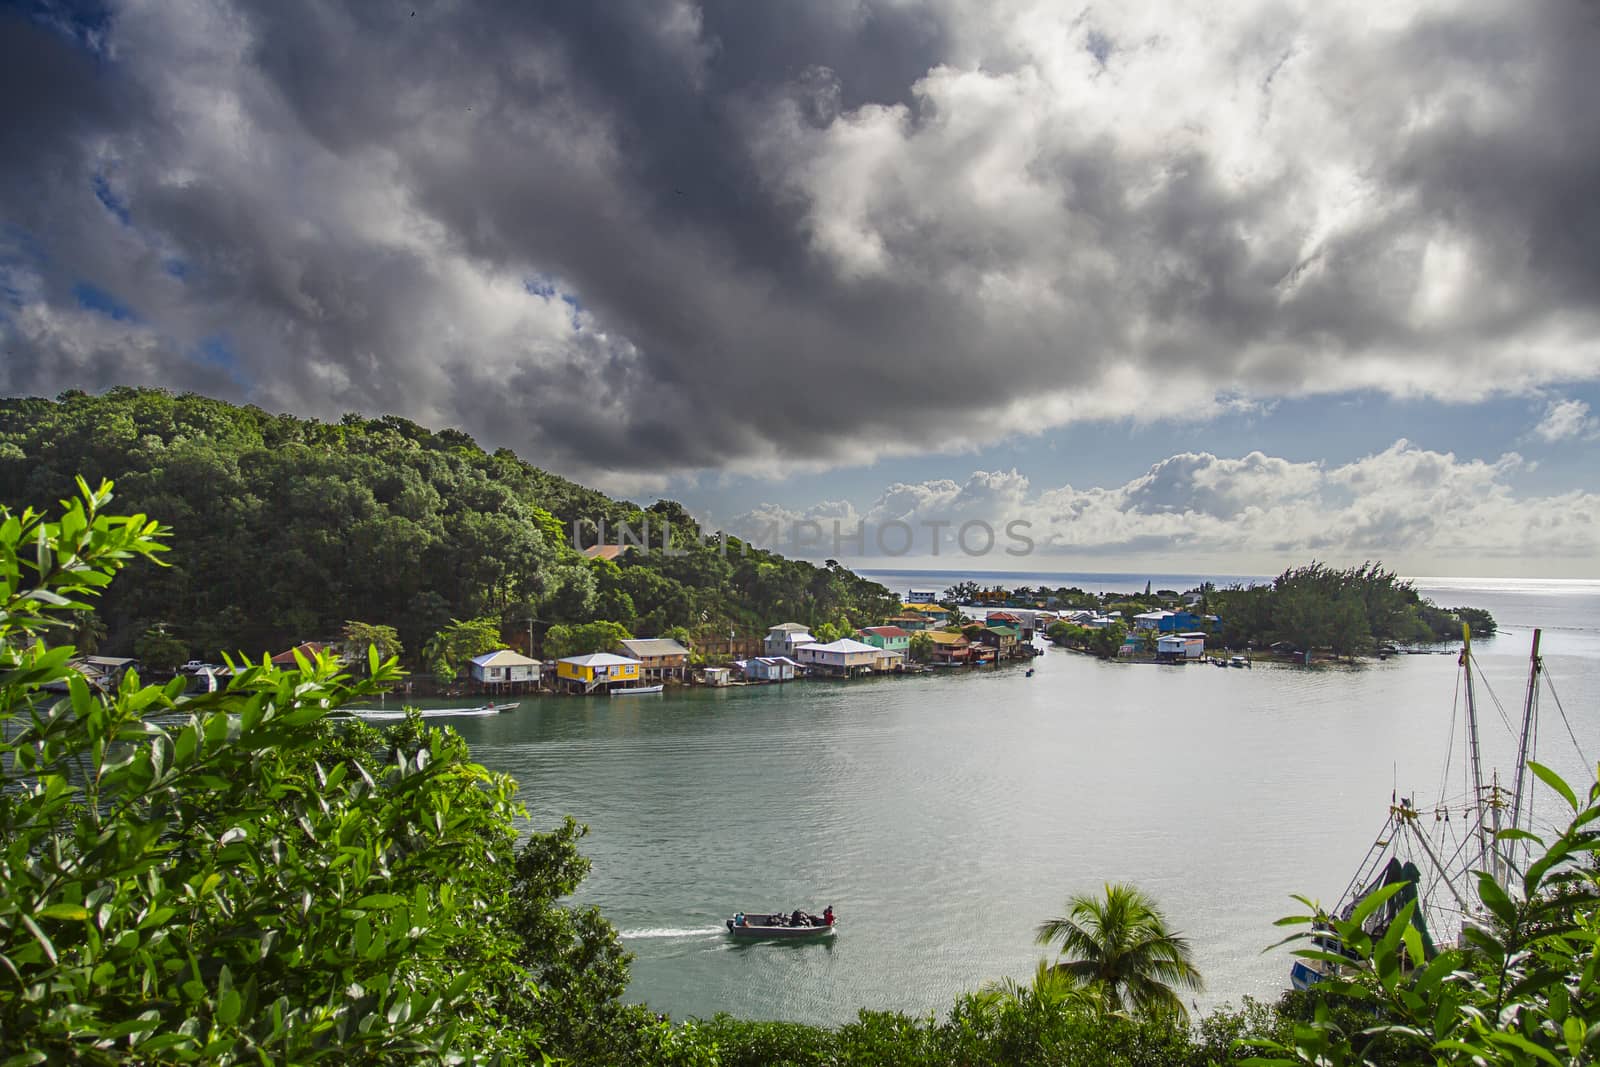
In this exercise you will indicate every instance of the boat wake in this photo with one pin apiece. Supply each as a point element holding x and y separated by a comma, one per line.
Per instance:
<point>669,931</point>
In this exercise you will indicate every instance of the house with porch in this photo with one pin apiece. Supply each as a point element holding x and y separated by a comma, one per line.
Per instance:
<point>662,657</point>
<point>784,638</point>
<point>504,670</point>
<point>910,621</point>
<point>598,672</point>
<point>950,649</point>
<point>1000,637</point>
<point>841,659</point>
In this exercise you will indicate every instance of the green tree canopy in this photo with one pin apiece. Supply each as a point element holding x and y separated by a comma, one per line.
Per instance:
<point>360,636</point>
<point>160,651</point>
<point>563,641</point>
<point>287,527</point>
<point>448,651</point>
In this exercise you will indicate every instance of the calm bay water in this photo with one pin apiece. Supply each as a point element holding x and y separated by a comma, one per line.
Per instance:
<point>945,815</point>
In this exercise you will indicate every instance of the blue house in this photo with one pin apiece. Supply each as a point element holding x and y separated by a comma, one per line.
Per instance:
<point>1173,622</point>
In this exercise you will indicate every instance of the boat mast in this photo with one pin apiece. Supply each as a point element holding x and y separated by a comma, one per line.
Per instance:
<point>1525,743</point>
<point>1476,756</point>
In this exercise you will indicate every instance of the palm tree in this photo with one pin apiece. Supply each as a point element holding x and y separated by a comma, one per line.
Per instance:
<point>1120,944</point>
<point>1051,991</point>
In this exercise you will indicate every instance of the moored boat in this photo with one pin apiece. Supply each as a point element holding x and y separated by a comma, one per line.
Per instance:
<point>1440,861</point>
<point>380,715</point>
<point>637,690</point>
<point>763,926</point>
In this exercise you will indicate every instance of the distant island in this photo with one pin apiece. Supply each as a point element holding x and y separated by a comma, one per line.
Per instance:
<point>1343,612</point>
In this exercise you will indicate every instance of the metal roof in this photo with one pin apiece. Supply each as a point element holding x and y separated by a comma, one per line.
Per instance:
<point>598,659</point>
<point>504,657</point>
<point>845,645</point>
<point>653,646</point>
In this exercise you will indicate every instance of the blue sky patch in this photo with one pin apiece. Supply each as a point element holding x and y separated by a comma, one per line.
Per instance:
<point>217,351</point>
<point>93,298</point>
<point>113,203</point>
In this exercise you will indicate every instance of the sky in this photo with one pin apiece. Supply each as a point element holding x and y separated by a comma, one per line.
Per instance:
<point>1184,286</point>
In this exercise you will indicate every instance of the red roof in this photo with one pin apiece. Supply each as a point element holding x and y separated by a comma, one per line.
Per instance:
<point>308,649</point>
<point>886,631</point>
<point>1004,616</point>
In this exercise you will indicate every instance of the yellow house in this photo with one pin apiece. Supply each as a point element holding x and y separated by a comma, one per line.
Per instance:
<point>932,612</point>
<point>596,672</point>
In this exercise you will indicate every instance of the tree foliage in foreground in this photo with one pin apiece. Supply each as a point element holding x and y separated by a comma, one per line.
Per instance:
<point>1525,990</point>
<point>209,878</point>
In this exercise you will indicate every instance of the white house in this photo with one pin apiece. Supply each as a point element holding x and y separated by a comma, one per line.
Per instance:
<point>504,667</point>
<point>770,669</point>
<point>922,596</point>
<point>1181,646</point>
<point>842,657</point>
<point>784,638</point>
<point>1150,620</point>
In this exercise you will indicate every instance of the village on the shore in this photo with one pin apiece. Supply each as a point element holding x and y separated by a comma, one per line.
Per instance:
<point>925,636</point>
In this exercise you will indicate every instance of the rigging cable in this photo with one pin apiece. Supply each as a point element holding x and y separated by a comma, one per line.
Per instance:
<point>1550,683</point>
<point>1501,711</point>
<point>1450,745</point>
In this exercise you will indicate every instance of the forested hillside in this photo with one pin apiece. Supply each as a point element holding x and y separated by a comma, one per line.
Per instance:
<point>286,528</point>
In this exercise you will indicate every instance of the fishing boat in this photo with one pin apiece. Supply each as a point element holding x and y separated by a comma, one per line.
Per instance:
<point>637,690</point>
<point>380,715</point>
<point>757,926</point>
<point>1436,850</point>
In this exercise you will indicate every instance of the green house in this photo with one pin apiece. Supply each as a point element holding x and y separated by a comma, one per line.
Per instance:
<point>888,638</point>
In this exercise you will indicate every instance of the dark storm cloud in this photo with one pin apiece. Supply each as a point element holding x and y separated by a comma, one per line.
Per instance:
<point>639,238</point>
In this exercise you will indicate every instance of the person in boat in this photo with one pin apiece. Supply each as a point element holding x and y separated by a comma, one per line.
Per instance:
<point>798,918</point>
<point>738,920</point>
<point>827,915</point>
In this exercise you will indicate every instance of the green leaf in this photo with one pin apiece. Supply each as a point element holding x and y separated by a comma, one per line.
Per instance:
<point>228,1005</point>
<point>1522,1044</point>
<point>1494,898</point>
<point>381,900</point>
<point>63,911</point>
<point>1372,902</point>
<point>1554,781</point>
<point>39,936</point>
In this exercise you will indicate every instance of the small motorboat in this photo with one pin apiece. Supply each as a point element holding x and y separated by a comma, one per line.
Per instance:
<point>1238,661</point>
<point>637,690</point>
<point>757,926</point>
